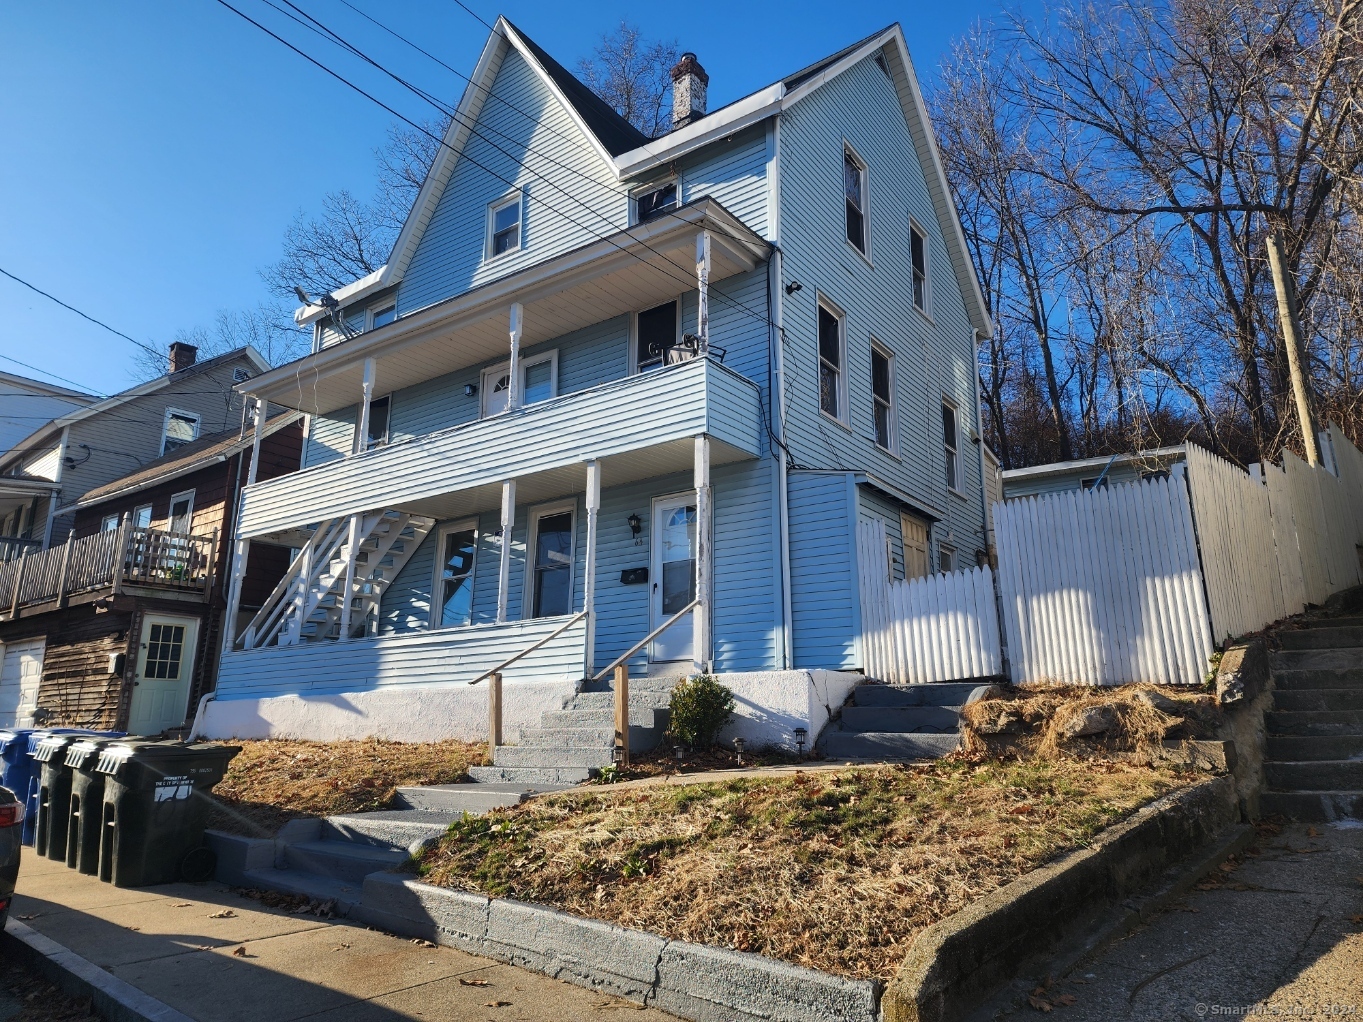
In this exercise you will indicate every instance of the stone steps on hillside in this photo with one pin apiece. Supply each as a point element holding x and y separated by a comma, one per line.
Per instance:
<point>1326,637</point>
<point>900,722</point>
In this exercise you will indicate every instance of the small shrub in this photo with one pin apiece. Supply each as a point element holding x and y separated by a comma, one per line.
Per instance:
<point>700,707</point>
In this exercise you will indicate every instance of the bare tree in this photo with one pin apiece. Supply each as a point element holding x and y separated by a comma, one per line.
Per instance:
<point>633,75</point>
<point>268,327</point>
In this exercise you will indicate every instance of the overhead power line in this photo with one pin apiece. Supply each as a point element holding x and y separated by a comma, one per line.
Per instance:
<point>83,387</point>
<point>82,315</point>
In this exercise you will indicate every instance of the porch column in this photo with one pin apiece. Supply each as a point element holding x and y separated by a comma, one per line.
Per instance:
<point>258,410</point>
<point>504,570</point>
<point>348,587</point>
<point>361,443</point>
<point>240,551</point>
<point>701,618</point>
<point>513,386</point>
<point>589,583</point>
<point>703,286</point>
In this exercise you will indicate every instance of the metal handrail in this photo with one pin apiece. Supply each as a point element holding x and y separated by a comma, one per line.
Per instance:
<point>533,646</point>
<point>646,640</point>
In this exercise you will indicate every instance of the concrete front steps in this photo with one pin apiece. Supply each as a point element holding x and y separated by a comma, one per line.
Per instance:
<point>1314,765</point>
<point>900,722</point>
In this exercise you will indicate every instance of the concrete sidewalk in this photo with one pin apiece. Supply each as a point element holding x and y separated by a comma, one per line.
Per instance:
<point>212,954</point>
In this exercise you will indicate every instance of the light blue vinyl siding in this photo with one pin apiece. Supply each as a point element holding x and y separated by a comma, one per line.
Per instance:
<point>330,437</point>
<point>874,506</point>
<point>734,171</point>
<point>825,602</point>
<point>571,196</point>
<point>933,357</point>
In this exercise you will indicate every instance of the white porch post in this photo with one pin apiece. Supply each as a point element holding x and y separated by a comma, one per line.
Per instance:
<point>504,570</point>
<point>361,443</point>
<point>513,386</point>
<point>701,619</point>
<point>589,583</point>
<point>703,286</point>
<point>348,587</point>
<point>259,412</point>
<point>240,552</point>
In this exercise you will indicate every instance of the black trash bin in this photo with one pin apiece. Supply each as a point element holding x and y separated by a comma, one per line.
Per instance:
<point>86,803</point>
<point>54,795</point>
<point>155,809</point>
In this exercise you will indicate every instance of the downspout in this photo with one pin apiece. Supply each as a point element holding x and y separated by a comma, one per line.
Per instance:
<point>777,400</point>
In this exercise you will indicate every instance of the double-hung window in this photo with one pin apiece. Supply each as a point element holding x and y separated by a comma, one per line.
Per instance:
<point>918,257</point>
<point>109,523</point>
<point>951,446</point>
<point>378,422</point>
<point>854,188</point>
<point>456,555</point>
<point>830,361</point>
<point>656,331</point>
<point>946,558</point>
<point>882,396</point>
<point>551,567</point>
<point>142,517</point>
<point>180,428</point>
<point>384,316</point>
<point>655,202</point>
<point>504,226</point>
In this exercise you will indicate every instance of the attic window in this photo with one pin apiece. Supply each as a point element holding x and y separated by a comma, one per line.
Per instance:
<point>384,316</point>
<point>504,226</point>
<point>854,187</point>
<point>656,202</point>
<point>181,428</point>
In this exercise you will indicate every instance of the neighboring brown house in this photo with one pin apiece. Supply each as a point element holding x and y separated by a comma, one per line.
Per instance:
<point>119,627</point>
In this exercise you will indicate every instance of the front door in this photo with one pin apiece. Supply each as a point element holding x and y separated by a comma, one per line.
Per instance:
<point>673,574</point>
<point>21,672</point>
<point>165,665</point>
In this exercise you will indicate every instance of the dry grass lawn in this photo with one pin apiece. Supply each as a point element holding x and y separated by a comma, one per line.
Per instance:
<point>836,870</point>
<point>272,782</point>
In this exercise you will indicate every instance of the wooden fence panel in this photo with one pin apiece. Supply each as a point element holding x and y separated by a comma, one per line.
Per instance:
<point>1285,546</point>
<point>1103,587</point>
<point>937,628</point>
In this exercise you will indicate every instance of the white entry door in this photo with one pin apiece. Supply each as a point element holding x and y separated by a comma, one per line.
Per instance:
<point>165,665</point>
<point>21,671</point>
<point>673,574</point>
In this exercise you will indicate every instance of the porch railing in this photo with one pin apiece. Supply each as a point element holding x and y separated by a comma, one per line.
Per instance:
<point>14,547</point>
<point>177,562</point>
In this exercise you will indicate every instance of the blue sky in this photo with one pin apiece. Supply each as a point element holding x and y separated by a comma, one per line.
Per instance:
<point>155,150</point>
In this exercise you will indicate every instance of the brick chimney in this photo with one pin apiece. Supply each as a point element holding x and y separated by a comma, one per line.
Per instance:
<point>182,356</point>
<point>688,91</point>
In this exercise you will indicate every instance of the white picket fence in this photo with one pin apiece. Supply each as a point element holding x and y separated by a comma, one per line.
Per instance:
<point>1102,587</point>
<point>937,628</point>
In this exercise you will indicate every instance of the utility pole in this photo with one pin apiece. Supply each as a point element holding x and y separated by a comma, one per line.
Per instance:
<point>1286,289</point>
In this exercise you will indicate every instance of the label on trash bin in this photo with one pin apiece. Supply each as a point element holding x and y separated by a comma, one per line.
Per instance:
<point>171,788</point>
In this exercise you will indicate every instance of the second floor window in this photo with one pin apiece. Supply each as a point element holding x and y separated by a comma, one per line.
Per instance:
<point>378,421</point>
<point>854,186</point>
<point>181,428</point>
<point>882,395</point>
<point>655,202</point>
<point>504,226</point>
<point>386,315</point>
<point>142,517</point>
<point>830,362</point>
<point>951,449</point>
<point>918,256</point>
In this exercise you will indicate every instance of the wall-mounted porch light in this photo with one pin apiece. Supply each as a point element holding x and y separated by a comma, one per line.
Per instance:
<point>794,286</point>
<point>636,525</point>
<point>470,389</point>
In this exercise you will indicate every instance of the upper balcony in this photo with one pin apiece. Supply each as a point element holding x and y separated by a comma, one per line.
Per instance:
<point>637,428</point>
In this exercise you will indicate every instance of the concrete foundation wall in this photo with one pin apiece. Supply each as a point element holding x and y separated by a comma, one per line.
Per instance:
<point>772,704</point>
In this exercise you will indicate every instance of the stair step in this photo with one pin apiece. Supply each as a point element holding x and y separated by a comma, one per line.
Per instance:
<point>1315,775</point>
<point>1314,722</point>
<point>1316,659</point>
<point>887,746</point>
<point>1317,747</point>
<point>1313,806</point>
<point>638,717</point>
<point>533,776</point>
<point>1342,677</point>
<point>1319,699</point>
<point>1331,637</point>
<point>342,860</point>
<point>540,756</point>
<point>394,829</point>
<point>593,736</point>
<point>949,693</point>
<point>473,799</point>
<point>606,700</point>
<point>346,894</point>
<point>902,719</point>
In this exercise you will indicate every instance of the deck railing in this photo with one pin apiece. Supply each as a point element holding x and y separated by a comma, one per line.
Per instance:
<point>178,562</point>
<point>14,547</point>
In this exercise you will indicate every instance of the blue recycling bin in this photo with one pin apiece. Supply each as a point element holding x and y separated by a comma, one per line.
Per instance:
<point>19,771</point>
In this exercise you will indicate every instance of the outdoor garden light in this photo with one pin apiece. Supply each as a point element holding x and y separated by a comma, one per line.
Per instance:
<point>635,525</point>
<point>678,751</point>
<point>738,744</point>
<point>794,286</point>
<point>800,735</point>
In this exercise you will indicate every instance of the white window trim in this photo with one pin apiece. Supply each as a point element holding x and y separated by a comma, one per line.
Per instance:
<point>916,228</point>
<point>888,354</point>
<point>842,418</point>
<point>849,150</point>
<point>488,378</point>
<point>438,583</point>
<point>953,553</point>
<point>165,424</point>
<point>674,180</point>
<point>960,465</point>
<point>140,508</point>
<point>532,540</point>
<point>382,306</point>
<point>108,523</point>
<point>170,511</point>
<point>516,195</point>
<point>633,368</point>
<point>377,442</point>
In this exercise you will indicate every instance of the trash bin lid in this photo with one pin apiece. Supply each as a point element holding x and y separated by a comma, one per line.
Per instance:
<point>80,752</point>
<point>14,736</point>
<point>47,747</point>
<point>163,755</point>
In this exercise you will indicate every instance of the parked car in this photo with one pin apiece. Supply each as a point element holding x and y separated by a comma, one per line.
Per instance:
<point>11,829</point>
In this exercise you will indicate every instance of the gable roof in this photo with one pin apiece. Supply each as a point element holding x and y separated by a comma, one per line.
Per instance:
<point>608,132</point>
<point>200,453</point>
<point>47,389</point>
<point>132,393</point>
